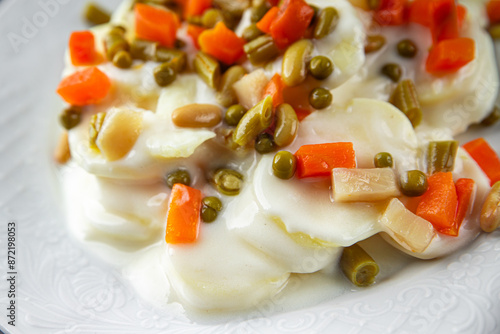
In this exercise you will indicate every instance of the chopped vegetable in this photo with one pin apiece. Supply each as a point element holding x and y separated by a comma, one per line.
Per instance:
<point>181,176</point>
<point>222,43</point>
<point>211,17</point>
<point>275,89</point>
<point>450,55</point>
<point>320,67</point>
<point>392,71</point>
<point>493,10</point>
<point>287,125</point>
<point>407,229</point>
<point>95,126</point>
<point>405,99</point>
<point>465,195</point>
<point>251,32</point>
<point>95,15</point>
<point>62,153</point>
<point>490,212</point>
<point>164,74</point>
<point>208,68</point>
<point>196,7</point>
<point>442,17</point>
<point>441,156</point>
<point>358,266</point>
<point>194,31</point>
<point>264,24</point>
<point>382,160</point>
<point>320,98</point>
<point>414,183</point>
<point>264,143</point>
<point>213,202</point>
<point>114,42</point>
<point>174,58</point>
<point>183,216</point>
<point>197,115</point>
<point>374,43</point>
<point>363,185</point>
<point>486,157</point>
<point>234,114</point>
<point>407,48</point>
<point>84,87</point>
<point>254,122</point>
<point>208,214</point>
<point>318,160</point>
<point>439,203</point>
<point>71,117</point>
<point>294,64</point>
<point>156,24</point>
<point>291,23</point>
<point>284,165</point>
<point>227,181</point>
<point>390,12</point>
<point>82,49</point>
<point>326,22</point>
<point>261,50</point>
<point>226,94</point>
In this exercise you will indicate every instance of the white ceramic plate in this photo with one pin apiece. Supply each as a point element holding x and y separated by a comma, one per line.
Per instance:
<point>61,288</point>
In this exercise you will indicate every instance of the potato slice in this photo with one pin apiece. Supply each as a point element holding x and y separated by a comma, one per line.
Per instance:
<point>363,185</point>
<point>407,229</point>
<point>249,88</point>
<point>119,132</point>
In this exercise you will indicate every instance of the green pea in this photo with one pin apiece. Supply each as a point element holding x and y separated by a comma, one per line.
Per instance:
<point>414,183</point>
<point>392,71</point>
<point>178,176</point>
<point>383,159</point>
<point>284,165</point>
<point>213,202</point>
<point>374,43</point>
<point>264,143</point>
<point>407,48</point>
<point>228,181</point>
<point>95,15</point>
<point>327,21</point>
<point>492,118</point>
<point>251,32</point>
<point>71,117</point>
<point>164,74</point>
<point>494,31</point>
<point>208,214</point>
<point>320,98</point>
<point>122,59</point>
<point>320,67</point>
<point>177,59</point>
<point>234,114</point>
<point>211,17</point>
<point>258,12</point>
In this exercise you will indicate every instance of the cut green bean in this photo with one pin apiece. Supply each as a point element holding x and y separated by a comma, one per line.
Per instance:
<point>492,118</point>
<point>71,117</point>
<point>177,59</point>
<point>441,156</point>
<point>414,183</point>
<point>405,99</point>
<point>284,165</point>
<point>95,15</point>
<point>227,181</point>
<point>251,32</point>
<point>326,22</point>
<point>143,50</point>
<point>258,12</point>
<point>358,266</point>
<point>382,160</point>
<point>114,42</point>
<point>294,65</point>
<point>211,17</point>
<point>287,125</point>
<point>254,122</point>
<point>261,50</point>
<point>320,67</point>
<point>226,94</point>
<point>94,128</point>
<point>208,68</point>
<point>164,74</point>
<point>122,59</point>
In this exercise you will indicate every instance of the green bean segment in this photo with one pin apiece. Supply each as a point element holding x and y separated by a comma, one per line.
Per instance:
<point>211,17</point>
<point>294,65</point>
<point>407,48</point>
<point>320,67</point>
<point>95,15</point>
<point>383,159</point>
<point>326,22</point>
<point>392,71</point>
<point>414,183</point>
<point>177,59</point>
<point>261,50</point>
<point>94,128</point>
<point>287,125</point>
<point>258,12</point>
<point>251,32</point>
<point>405,99</point>
<point>234,114</point>
<point>164,74</point>
<point>492,118</point>
<point>374,43</point>
<point>71,117</point>
<point>228,181</point>
<point>358,266</point>
<point>254,122</point>
<point>122,59</point>
<point>284,165</point>
<point>143,50</point>
<point>226,94</point>
<point>320,98</point>
<point>264,143</point>
<point>114,42</point>
<point>441,156</point>
<point>181,176</point>
<point>208,68</point>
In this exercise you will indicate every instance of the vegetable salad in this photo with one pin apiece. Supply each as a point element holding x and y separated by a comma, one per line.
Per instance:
<point>237,140</point>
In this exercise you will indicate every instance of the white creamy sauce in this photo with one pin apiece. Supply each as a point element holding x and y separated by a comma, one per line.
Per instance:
<point>274,230</point>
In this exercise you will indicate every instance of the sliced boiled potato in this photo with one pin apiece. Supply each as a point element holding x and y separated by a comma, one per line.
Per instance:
<point>177,143</point>
<point>363,185</point>
<point>407,229</point>
<point>250,87</point>
<point>119,132</point>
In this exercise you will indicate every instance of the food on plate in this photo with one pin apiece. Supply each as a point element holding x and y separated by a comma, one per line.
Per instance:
<point>245,142</point>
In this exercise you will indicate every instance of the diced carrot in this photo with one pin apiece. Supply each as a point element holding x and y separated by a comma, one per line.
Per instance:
<point>302,113</point>
<point>450,55</point>
<point>222,43</point>
<point>196,7</point>
<point>156,24</point>
<point>84,87</point>
<point>419,12</point>
<point>319,159</point>
<point>493,10</point>
<point>443,17</point>
<point>465,191</point>
<point>183,216</point>
<point>264,24</point>
<point>461,14</point>
<point>486,158</point>
<point>194,33</point>
<point>82,49</point>
<point>291,23</point>
<point>390,13</point>
<point>274,88</point>
<point>439,203</point>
